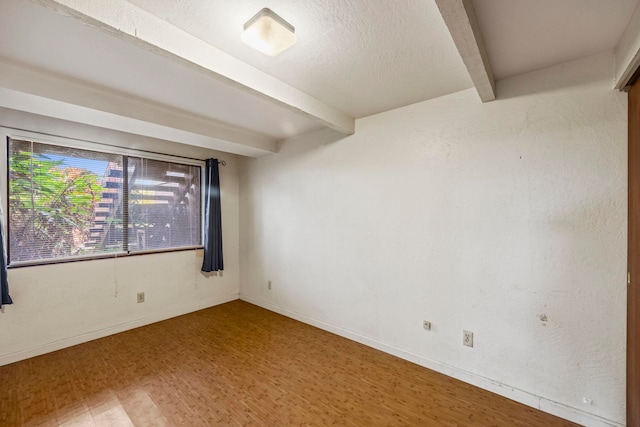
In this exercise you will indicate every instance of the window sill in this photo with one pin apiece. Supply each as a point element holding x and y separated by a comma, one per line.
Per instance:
<point>39,263</point>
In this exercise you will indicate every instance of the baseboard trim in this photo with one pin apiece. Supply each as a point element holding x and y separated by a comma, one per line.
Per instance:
<point>101,333</point>
<point>555,408</point>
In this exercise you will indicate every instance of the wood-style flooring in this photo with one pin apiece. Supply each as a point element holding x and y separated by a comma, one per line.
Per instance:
<point>240,365</point>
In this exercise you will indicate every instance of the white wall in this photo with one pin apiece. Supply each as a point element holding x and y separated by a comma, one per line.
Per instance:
<point>486,217</point>
<point>64,304</point>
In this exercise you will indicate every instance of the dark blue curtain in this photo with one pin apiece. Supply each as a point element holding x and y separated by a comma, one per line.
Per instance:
<point>212,219</point>
<point>4,285</point>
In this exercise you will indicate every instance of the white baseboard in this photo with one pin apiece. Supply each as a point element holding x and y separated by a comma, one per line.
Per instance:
<point>567,412</point>
<point>90,336</point>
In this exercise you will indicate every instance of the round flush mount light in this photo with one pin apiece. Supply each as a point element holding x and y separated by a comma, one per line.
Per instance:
<point>268,33</point>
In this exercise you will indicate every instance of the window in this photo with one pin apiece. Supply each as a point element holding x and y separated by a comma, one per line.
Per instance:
<point>66,202</point>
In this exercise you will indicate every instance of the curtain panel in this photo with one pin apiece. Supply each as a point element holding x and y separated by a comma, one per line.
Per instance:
<point>4,285</point>
<point>212,219</point>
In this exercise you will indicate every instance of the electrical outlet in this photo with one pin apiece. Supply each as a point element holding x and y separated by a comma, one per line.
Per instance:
<point>467,338</point>
<point>269,285</point>
<point>426,324</point>
<point>140,297</point>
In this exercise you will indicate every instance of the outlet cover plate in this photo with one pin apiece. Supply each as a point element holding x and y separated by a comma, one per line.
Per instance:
<point>467,338</point>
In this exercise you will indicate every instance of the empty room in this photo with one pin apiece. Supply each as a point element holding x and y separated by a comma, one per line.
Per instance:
<point>320,212</point>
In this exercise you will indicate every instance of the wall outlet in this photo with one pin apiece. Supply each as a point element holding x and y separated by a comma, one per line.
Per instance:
<point>467,338</point>
<point>269,285</point>
<point>426,324</point>
<point>140,297</point>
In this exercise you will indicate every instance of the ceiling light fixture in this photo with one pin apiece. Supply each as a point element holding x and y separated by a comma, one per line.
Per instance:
<point>268,33</point>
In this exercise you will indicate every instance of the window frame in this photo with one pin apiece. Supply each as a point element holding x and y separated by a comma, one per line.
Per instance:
<point>7,133</point>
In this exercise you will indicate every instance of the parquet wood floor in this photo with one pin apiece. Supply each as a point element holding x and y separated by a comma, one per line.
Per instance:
<point>240,365</point>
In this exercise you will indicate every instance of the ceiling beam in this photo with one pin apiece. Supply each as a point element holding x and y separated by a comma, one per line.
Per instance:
<point>38,92</point>
<point>135,25</point>
<point>460,17</point>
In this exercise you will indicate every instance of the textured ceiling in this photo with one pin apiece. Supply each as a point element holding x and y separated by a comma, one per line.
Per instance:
<point>67,47</point>
<point>353,58</point>
<point>526,35</point>
<point>359,56</point>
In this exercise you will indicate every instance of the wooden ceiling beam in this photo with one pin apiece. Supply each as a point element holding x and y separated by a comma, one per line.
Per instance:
<point>460,17</point>
<point>143,29</point>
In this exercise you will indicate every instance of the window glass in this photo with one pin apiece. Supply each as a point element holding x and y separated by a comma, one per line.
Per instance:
<point>70,202</point>
<point>164,204</point>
